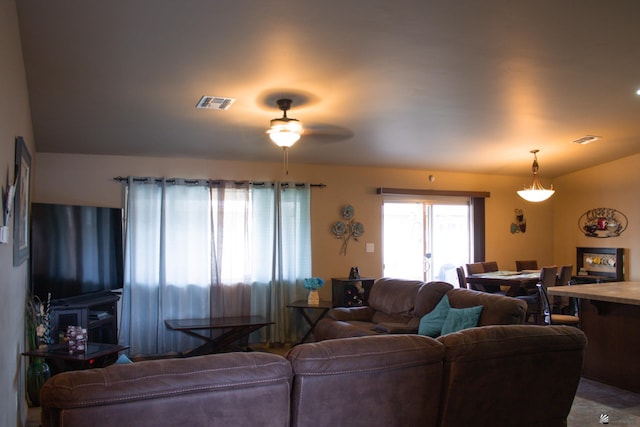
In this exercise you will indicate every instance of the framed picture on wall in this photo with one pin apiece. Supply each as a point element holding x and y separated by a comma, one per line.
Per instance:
<point>22,203</point>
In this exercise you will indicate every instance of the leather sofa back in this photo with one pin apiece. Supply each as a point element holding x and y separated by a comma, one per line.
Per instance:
<point>343,322</point>
<point>498,309</point>
<point>429,295</point>
<point>386,380</point>
<point>393,300</point>
<point>493,376</point>
<point>252,387</point>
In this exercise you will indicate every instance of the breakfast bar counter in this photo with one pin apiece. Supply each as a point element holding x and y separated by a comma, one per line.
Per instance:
<point>619,292</point>
<point>610,317</point>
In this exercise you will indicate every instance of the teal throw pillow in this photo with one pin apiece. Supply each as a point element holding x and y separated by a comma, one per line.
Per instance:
<point>431,323</point>
<point>461,318</point>
<point>122,360</point>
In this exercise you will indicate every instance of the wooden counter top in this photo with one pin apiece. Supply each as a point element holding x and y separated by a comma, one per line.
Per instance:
<point>619,292</point>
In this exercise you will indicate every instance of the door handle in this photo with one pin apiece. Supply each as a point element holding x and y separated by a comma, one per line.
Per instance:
<point>427,262</point>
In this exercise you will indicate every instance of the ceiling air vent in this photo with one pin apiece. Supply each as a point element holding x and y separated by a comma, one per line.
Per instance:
<point>215,103</point>
<point>586,139</point>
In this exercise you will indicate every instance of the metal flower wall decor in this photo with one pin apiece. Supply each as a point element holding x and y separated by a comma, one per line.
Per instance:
<point>520,226</point>
<point>347,229</point>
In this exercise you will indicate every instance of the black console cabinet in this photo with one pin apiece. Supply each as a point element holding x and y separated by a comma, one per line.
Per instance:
<point>340,288</point>
<point>98,313</point>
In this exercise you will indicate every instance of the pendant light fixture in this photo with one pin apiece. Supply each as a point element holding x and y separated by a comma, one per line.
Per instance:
<point>536,193</point>
<point>285,131</point>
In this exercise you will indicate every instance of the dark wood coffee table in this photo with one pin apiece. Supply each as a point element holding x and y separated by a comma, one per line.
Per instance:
<point>98,355</point>
<point>234,328</point>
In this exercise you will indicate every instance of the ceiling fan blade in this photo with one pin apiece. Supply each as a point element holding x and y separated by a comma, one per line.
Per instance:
<point>326,133</point>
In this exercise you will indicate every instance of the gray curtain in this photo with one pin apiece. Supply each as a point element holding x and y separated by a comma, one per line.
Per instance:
<point>211,249</point>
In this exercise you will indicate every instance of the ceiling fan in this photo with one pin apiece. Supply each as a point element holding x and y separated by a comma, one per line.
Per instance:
<point>285,131</point>
<point>313,132</point>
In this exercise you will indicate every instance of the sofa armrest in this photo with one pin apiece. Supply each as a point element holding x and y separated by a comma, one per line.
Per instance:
<point>477,361</point>
<point>347,314</point>
<point>395,328</point>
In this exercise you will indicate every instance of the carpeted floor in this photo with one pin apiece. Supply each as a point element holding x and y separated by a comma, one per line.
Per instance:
<point>594,398</point>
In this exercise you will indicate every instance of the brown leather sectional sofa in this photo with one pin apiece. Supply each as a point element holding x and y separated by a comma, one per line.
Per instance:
<point>513,375</point>
<point>397,305</point>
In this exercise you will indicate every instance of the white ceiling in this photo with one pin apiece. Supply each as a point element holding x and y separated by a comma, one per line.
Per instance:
<point>464,85</point>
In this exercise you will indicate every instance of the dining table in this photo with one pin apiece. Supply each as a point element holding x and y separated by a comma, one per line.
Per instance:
<point>512,283</point>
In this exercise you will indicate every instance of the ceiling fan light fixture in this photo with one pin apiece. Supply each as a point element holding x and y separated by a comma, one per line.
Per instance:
<point>536,192</point>
<point>285,131</point>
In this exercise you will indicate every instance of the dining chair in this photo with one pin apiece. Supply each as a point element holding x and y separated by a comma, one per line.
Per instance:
<point>462,280</point>
<point>564,275</point>
<point>563,304</point>
<point>530,264</point>
<point>551,318</point>
<point>475,268</point>
<point>535,307</point>
<point>490,266</point>
<point>478,268</point>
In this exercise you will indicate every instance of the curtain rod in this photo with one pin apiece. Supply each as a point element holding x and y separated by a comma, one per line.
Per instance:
<point>417,192</point>
<point>219,181</point>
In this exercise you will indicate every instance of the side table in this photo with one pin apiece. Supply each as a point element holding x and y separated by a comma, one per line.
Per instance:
<point>302,306</point>
<point>98,355</point>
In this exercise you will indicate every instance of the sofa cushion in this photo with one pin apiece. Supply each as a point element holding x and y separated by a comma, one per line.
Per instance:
<point>461,318</point>
<point>394,297</point>
<point>348,314</point>
<point>432,322</point>
<point>394,328</point>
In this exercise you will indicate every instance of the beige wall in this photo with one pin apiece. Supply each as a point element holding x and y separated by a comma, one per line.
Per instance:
<point>82,179</point>
<point>14,120</point>
<point>611,185</point>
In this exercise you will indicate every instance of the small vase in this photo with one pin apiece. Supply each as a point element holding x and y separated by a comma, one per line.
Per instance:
<point>38,373</point>
<point>314,298</point>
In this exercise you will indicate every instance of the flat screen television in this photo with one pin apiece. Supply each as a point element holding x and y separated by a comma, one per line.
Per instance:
<point>75,250</point>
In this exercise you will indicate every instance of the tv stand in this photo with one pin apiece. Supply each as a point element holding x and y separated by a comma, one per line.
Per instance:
<point>97,313</point>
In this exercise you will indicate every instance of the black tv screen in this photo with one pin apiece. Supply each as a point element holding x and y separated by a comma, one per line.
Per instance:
<point>75,250</point>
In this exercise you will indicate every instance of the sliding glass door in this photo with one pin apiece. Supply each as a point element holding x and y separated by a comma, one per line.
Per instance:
<point>426,239</point>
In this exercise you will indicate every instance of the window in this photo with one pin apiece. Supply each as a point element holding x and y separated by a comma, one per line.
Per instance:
<point>211,249</point>
<point>426,239</point>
